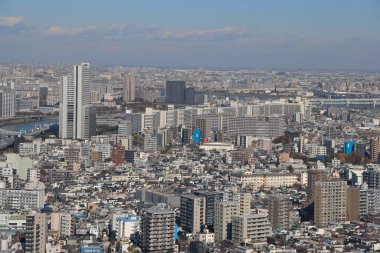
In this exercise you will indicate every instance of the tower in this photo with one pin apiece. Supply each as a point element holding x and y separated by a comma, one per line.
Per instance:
<point>193,213</point>
<point>77,117</point>
<point>375,148</point>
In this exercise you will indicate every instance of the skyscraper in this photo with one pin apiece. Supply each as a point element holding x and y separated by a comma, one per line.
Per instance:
<point>77,117</point>
<point>224,211</point>
<point>329,202</point>
<point>129,91</point>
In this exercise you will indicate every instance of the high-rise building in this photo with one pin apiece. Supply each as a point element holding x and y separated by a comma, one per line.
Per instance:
<point>357,202</point>
<point>250,228</point>
<point>190,96</point>
<point>36,233</point>
<point>224,211</point>
<point>175,92</point>
<point>77,117</point>
<point>7,100</point>
<point>314,176</point>
<point>192,213</point>
<point>43,96</point>
<point>129,90</point>
<point>329,202</point>
<point>211,199</point>
<point>279,208</point>
<point>374,147</point>
<point>372,178</point>
<point>157,231</point>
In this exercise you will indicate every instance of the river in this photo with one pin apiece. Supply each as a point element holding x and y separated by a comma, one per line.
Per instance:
<point>29,126</point>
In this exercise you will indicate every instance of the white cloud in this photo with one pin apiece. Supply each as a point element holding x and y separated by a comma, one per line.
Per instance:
<point>11,21</point>
<point>61,31</point>
<point>225,33</point>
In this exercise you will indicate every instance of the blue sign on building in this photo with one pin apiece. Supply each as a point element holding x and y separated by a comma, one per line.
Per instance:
<point>197,135</point>
<point>349,147</point>
<point>176,232</point>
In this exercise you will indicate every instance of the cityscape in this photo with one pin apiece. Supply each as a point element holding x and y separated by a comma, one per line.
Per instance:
<point>173,135</point>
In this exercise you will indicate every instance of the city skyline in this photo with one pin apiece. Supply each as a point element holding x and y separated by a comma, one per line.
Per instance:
<point>239,34</point>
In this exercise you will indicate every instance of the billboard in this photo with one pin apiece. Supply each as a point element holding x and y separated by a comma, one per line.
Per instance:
<point>349,147</point>
<point>197,135</point>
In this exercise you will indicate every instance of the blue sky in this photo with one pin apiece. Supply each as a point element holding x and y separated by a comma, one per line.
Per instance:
<point>323,34</point>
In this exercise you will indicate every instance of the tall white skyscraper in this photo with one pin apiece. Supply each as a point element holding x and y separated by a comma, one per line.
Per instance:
<point>77,116</point>
<point>129,92</point>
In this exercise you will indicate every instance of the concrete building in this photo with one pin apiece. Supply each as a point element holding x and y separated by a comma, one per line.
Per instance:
<point>357,202</point>
<point>192,213</point>
<point>250,228</point>
<point>211,199</point>
<point>157,231</point>
<point>129,89</point>
<point>63,223</point>
<point>224,211</point>
<point>374,148</point>
<point>329,202</point>
<point>127,225</point>
<point>279,208</point>
<point>77,118</point>
<point>31,197</point>
<point>314,176</point>
<point>36,233</point>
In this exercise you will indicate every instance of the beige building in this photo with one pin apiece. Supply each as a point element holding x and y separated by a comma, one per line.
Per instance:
<point>329,202</point>
<point>192,213</point>
<point>250,228</point>
<point>36,233</point>
<point>357,202</point>
<point>312,177</point>
<point>61,222</point>
<point>374,147</point>
<point>279,208</point>
<point>224,211</point>
<point>266,180</point>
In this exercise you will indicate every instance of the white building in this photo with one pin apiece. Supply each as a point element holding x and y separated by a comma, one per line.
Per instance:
<point>77,116</point>
<point>127,226</point>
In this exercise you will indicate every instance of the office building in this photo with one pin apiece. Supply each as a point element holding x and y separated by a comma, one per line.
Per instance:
<point>224,211</point>
<point>313,176</point>
<point>77,118</point>
<point>190,96</point>
<point>374,147</point>
<point>192,213</point>
<point>329,202</point>
<point>250,228</point>
<point>44,91</point>
<point>129,89</point>
<point>36,233</point>
<point>157,231</point>
<point>279,208</point>
<point>348,147</point>
<point>211,199</point>
<point>175,92</point>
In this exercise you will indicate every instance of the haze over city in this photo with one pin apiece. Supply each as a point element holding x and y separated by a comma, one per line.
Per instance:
<point>234,34</point>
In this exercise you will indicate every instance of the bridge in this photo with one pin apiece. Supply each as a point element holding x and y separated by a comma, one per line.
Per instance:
<point>10,132</point>
<point>345,102</point>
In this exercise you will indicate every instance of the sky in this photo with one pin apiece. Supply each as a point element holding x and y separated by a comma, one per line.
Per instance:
<point>281,34</point>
